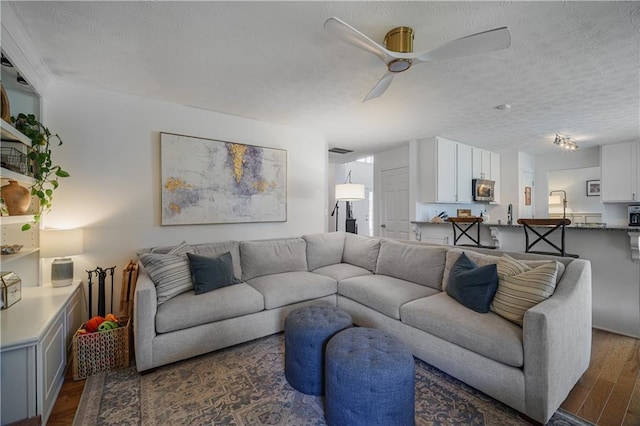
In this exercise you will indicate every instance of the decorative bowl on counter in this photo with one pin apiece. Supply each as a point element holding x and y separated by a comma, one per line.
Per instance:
<point>12,249</point>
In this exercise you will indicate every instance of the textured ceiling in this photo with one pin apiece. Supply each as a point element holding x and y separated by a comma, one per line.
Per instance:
<point>572,68</point>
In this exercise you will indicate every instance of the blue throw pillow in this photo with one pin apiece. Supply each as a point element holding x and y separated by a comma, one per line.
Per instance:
<point>472,285</point>
<point>209,273</point>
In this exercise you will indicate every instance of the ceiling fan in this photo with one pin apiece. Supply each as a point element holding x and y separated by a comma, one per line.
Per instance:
<point>397,53</point>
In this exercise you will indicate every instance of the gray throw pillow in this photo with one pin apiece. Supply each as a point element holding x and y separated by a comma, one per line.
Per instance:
<point>169,272</point>
<point>211,273</point>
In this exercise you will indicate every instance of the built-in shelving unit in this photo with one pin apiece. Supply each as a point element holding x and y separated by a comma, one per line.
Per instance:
<point>10,133</point>
<point>25,263</point>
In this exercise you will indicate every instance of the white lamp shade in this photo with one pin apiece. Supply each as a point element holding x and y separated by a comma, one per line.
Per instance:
<point>61,242</point>
<point>350,192</point>
<point>555,199</point>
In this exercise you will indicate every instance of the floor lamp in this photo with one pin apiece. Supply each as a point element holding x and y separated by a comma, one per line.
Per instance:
<point>347,192</point>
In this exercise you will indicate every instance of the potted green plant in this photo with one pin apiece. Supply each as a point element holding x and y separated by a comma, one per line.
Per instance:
<point>45,173</point>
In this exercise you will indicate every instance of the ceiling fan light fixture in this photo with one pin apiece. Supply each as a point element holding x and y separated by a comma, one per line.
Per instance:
<point>399,65</point>
<point>400,40</point>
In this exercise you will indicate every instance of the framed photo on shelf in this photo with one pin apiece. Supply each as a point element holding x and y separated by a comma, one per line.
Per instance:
<point>593,188</point>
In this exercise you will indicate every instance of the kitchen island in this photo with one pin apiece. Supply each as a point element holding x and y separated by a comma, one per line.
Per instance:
<point>612,250</point>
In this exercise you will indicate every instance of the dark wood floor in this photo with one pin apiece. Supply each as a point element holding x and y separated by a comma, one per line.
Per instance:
<point>607,394</point>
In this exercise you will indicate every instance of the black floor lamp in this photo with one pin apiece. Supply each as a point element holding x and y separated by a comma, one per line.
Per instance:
<point>347,192</point>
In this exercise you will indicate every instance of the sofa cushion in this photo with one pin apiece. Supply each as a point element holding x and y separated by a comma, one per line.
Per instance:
<point>324,249</point>
<point>216,249</point>
<point>169,272</point>
<point>341,271</point>
<point>486,334</point>
<point>472,285</point>
<point>209,273</point>
<point>518,293</point>
<point>292,287</point>
<point>361,251</point>
<point>411,262</point>
<point>189,310</point>
<point>382,293</point>
<point>481,259</point>
<point>268,257</point>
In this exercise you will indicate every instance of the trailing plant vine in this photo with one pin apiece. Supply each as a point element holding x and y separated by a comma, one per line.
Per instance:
<point>45,173</point>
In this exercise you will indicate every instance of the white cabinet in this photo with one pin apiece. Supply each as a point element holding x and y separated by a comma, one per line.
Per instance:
<point>445,172</point>
<point>453,179</point>
<point>619,173</point>
<point>481,168</point>
<point>34,340</point>
<point>486,165</point>
<point>495,176</point>
<point>447,168</point>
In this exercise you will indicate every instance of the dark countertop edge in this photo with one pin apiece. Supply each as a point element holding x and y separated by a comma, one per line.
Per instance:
<point>504,225</point>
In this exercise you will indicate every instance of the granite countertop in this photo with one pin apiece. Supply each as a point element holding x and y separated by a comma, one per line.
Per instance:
<point>577,226</point>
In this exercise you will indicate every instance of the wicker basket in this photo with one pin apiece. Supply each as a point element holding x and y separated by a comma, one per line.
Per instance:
<point>103,351</point>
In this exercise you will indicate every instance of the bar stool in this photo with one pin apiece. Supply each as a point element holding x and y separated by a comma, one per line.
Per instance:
<point>552,225</point>
<point>464,225</point>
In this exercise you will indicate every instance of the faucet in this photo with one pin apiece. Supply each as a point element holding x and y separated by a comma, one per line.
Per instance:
<point>510,215</point>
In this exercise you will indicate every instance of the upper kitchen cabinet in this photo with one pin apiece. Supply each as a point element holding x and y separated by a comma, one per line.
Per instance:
<point>481,164</point>
<point>486,165</point>
<point>619,173</point>
<point>445,171</point>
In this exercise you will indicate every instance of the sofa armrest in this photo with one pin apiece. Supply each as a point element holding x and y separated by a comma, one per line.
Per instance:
<point>144,319</point>
<point>557,342</point>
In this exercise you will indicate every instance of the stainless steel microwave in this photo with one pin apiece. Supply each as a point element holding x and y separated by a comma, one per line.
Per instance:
<point>483,190</point>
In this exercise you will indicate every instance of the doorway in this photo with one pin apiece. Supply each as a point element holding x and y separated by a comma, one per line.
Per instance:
<point>362,211</point>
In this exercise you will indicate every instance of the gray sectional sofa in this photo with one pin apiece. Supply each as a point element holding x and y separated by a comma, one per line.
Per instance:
<point>391,285</point>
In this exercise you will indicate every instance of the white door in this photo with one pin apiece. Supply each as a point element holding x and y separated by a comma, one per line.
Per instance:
<point>394,214</point>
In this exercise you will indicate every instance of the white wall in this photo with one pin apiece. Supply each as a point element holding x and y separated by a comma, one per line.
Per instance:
<point>573,182</point>
<point>112,151</point>
<point>561,160</point>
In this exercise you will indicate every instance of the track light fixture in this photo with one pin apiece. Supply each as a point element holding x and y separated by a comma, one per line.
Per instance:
<point>4,61</point>
<point>20,79</point>
<point>566,143</point>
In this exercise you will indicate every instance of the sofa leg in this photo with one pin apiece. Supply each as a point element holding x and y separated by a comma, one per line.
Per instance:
<point>530,420</point>
<point>145,372</point>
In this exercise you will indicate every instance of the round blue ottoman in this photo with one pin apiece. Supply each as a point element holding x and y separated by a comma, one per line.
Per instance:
<point>370,379</point>
<point>306,333</point>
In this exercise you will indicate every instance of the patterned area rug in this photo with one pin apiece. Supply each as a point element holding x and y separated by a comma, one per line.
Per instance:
<point>245,385</point>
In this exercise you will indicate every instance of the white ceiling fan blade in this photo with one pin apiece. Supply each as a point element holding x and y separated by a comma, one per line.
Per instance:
<point>488,41</point>
<point>380,87</point>
<point>350,35</point>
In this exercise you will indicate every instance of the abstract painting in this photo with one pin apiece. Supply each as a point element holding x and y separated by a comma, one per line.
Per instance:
<point>212,181</point>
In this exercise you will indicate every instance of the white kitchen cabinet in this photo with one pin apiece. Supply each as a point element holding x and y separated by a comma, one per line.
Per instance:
<point>444,172</point>
<point>619,173</point>
<point>481,168</point>
<point>463,174</point>
<point>495,176</point>
<point>453,180</point>
<point>35,337</point>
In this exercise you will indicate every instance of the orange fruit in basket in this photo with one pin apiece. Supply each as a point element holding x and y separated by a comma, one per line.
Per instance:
<point>111,317</point>
<point>92,325</point>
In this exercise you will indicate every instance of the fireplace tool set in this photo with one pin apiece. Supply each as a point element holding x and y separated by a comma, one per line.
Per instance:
<point>101,274</point>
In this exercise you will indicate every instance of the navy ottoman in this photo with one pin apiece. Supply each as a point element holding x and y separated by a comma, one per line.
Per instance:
<point>306,333</point>
<point>370,379</point>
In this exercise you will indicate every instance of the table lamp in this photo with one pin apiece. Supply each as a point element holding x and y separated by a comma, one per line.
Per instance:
<point>61,244</point>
